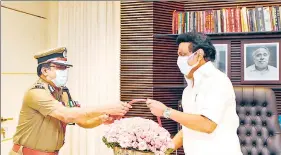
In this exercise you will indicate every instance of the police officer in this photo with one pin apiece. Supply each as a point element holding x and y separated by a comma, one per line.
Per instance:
<point>48,107</point>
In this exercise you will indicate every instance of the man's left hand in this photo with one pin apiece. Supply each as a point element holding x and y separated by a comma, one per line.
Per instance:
<point>157,108</point>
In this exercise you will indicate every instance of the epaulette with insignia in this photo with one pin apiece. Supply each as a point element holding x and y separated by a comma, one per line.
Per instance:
<point>38,86</point>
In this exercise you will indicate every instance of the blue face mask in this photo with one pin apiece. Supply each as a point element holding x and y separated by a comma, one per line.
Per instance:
<point>183,65</point>
<point>61,78</point>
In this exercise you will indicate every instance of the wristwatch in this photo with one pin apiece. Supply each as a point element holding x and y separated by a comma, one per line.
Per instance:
<point>167,113</point>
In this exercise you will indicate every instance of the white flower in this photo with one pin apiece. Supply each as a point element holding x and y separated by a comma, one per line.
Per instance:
<point>139,133</point>
<point>142,146</point>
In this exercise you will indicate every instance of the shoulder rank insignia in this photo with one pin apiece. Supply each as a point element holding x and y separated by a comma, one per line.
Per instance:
<point>38,86</point>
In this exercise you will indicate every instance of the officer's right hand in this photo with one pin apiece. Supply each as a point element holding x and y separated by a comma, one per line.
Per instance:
<point>120,108</point>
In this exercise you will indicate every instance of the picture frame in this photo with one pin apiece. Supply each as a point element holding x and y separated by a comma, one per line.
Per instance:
<point>222,61</point>
<point>260,61</point>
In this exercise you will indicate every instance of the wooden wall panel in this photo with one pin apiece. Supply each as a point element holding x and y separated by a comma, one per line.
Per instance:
<point>142,70</point>
<point>137,54</point>
<point>277,92</point>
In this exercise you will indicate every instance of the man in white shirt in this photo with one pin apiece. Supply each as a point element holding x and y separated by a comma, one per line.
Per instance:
<point>209,117</point>
<point>261,70</point>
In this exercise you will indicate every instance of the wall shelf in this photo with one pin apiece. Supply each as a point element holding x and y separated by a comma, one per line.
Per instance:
<point>224,34</point>
<point>166,86</point>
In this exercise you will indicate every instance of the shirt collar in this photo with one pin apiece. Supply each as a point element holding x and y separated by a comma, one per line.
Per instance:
<point>254,69</point>
<point>43,82</point>
<point>203,72</point>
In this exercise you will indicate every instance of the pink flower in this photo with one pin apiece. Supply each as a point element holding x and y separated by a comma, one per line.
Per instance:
<point>158,143</point>
<point>139,133</point>
<point>135,145</point>
<point>171,145</point>
<point>112,139</point>
<point>163,148</point>
<point>142,146</point>
<point>152,148</point>
<point>124,144</point>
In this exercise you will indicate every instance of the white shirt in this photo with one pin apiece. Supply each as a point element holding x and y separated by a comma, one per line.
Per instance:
<point>212,96</point>
<point>271,73</point>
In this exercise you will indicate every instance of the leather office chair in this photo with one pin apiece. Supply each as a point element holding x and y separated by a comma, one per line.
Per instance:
<point>259,131</point>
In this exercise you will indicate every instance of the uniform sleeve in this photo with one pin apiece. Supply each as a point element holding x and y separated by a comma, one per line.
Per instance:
<point>42,101</point>
<point>217,98</point>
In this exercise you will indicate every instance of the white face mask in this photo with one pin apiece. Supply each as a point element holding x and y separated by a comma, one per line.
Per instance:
<point>183,65</point>
<point>61,78</point>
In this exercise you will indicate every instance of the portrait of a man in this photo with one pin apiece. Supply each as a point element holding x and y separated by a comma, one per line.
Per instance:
<point>221,57</point>
<point>261,62</point>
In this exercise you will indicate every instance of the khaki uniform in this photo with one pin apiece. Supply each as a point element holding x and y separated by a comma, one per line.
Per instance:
<point>37,130</point>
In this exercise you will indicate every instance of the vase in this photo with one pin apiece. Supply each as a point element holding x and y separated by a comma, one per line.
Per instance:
<point>121,151</point>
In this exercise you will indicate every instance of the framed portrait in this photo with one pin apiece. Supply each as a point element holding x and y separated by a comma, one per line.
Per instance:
<point>261,62</point>
<point>222,56</point>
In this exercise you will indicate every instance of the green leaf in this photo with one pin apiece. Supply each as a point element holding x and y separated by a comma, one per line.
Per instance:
<point>169,151</point>
<point>110,145</point>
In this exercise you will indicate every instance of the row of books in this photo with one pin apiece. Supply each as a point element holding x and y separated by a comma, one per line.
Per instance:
<point>226,20</point>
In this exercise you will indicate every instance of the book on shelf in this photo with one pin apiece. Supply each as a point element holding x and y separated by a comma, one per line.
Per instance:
<point>239,19</point>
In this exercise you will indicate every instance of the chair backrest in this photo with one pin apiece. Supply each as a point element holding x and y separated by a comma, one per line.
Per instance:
<point>259,131</point>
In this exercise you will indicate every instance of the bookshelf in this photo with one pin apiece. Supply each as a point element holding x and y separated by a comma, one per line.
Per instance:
<point>256,18</point>
<point>149,52</point>
<point>277,33</point>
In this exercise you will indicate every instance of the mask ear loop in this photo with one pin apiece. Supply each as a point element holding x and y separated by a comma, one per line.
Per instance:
<point>198,54</point>
<point>192,55</point>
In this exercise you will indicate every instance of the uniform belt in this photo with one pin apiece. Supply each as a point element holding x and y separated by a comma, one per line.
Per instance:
<point>28,151</point>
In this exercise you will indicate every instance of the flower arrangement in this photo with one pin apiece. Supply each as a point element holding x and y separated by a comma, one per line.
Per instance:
<point>137,134</point>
